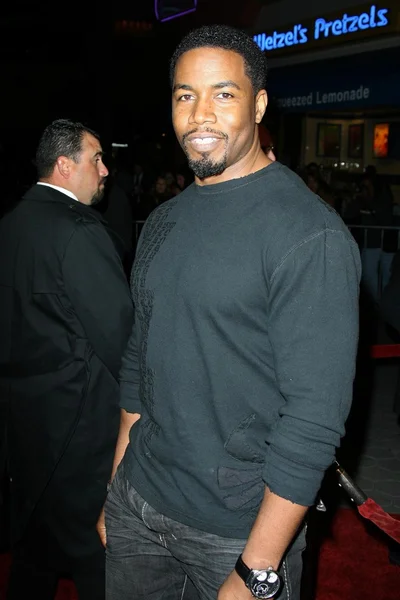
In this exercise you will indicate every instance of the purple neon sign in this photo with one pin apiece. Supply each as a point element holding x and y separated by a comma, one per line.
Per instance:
<point>161,7</point>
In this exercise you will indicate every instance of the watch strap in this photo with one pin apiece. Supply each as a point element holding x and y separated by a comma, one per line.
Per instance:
<point>242,569</point>
<point>262,583</point>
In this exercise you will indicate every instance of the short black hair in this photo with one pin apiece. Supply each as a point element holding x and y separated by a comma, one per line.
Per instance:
<point>227,38</point>
<point>61,138</point>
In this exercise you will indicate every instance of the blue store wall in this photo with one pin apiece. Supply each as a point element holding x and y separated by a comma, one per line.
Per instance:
<point>354,82</point>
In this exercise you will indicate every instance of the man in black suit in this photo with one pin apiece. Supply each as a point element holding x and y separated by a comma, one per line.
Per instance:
<point>65,317</point>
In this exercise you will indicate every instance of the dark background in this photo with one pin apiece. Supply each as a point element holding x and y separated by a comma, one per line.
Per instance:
<point>80,60</point>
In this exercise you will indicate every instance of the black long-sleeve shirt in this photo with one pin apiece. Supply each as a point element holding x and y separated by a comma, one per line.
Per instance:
<point>242,358</point>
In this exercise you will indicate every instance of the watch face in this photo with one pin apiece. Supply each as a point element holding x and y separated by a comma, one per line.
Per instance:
<point>264,584</point>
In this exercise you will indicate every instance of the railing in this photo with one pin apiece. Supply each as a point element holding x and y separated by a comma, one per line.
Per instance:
<point>381,228</point>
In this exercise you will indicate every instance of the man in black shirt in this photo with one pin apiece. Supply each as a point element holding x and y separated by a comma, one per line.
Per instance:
<point>237,379</point>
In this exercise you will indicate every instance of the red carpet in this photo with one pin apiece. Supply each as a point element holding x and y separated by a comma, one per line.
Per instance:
<point>353,564</point>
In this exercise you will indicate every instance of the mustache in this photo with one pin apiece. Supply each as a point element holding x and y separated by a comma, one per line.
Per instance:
<point>204,130</point>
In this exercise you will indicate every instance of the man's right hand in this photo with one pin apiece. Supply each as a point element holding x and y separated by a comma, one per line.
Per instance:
<point>126,422</point>
<point>101,528</point>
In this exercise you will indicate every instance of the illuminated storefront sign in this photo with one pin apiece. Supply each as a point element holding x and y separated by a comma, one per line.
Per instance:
<point>322,29</point>
<point>318,98</point>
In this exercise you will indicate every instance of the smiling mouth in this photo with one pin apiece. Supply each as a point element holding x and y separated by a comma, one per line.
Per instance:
<point>204,144</point>
<point>204,140</point>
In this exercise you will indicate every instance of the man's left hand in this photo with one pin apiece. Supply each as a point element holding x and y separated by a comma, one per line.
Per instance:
<point>234,588</point>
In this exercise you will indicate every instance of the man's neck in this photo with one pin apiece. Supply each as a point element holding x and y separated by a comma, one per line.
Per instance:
<point>58,188</point>
<point>251,163</point>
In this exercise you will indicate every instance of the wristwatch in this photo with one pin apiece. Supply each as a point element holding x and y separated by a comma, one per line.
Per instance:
<point>262,583</point>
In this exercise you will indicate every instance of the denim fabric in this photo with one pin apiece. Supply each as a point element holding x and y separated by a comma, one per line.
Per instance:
<point>152,557</point>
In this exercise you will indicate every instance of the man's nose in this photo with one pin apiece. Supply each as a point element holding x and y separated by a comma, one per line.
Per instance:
<point>203,112</point>
<point>103,170</point>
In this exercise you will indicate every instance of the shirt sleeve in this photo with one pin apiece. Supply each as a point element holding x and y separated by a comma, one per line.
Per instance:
<point>313,325</point>
<point>99,293</point>
<point>129,377</point>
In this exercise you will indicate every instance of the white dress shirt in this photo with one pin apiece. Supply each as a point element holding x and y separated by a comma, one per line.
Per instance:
<point>60,189</point>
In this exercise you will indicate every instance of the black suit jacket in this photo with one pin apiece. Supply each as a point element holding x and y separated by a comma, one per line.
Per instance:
<point>65,317</point>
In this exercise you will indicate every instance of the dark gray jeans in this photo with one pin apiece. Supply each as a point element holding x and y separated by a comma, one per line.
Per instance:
<point>152,557</point>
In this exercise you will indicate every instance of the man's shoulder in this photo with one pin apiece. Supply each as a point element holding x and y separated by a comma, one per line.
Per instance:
<point>36,218</point>
<point>46,203</point>
<point>287,216</point>
<point>291,206</point>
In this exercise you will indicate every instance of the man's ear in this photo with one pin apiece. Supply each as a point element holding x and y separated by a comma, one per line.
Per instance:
<point>261,105</point>
<point>63,165</point>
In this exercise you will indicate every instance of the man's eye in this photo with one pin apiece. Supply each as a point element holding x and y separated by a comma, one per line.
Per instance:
<point>225,95</point>
<point>185,98</point>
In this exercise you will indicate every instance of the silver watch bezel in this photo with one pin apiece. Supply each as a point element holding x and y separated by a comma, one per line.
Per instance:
<point>253,581</point>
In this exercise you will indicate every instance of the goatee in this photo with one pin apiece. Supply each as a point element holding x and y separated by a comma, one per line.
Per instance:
<point>205,167</point>
<point>97,197</point>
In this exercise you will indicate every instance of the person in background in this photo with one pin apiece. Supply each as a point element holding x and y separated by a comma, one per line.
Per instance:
<point>266,143</point>
<point>116,208</point>
<point>65,317</point>
<point>160,192</point>
<point>238,376</point>
<point>375,200</point>
<point>170,179</point>
<point>179,184</point>
<point>317,185</point>
<point>141,183</point>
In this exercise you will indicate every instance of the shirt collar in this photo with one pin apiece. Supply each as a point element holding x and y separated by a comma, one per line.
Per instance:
<point>59,189</point>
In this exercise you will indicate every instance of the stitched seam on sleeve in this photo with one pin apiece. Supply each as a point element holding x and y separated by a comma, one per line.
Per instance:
<point>305,241</point>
